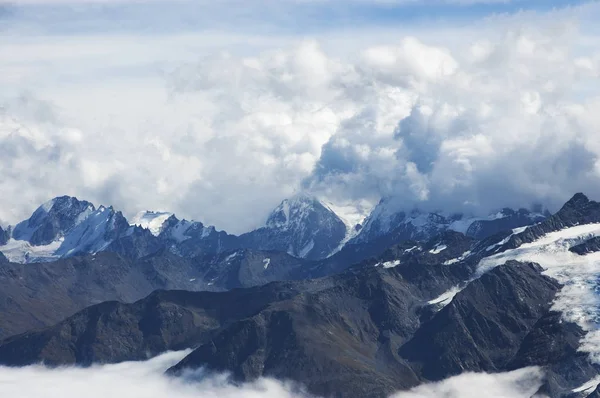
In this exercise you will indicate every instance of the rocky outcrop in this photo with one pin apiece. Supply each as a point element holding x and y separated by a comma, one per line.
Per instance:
<point>589,246</point>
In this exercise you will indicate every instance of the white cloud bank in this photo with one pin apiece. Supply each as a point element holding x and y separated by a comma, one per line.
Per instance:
<point>130,380</point>
<point>450,118</point>
<point>516,384</point>
<point>147,380</point>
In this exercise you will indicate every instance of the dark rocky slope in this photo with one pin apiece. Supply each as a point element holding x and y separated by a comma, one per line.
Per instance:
<point>38,295</point>
<point>113,332</point>
<point>4,236</point>
<point>41,294</point>
<point>372,341</point>
<point>364,333</point>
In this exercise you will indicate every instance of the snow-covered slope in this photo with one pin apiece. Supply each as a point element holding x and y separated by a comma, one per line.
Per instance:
<point>151,220</point>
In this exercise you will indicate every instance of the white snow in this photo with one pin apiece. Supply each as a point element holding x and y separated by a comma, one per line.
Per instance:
<point>458,259</point>
<point>231,257</point>
<point>438,249</point>
<point>178,231</point>
<point>502,242</point>
<point>351,215</point>
<point>389,264</point>
<point>578,300</point>
<point>267,262</point>
<point>517,231</point>
<point>445,298</point>
<point>588,387</point>
<point>306,249</point>
<point>206,231</point>
<point>411,249</point>
<point>151,220</point>
<point>286,211</point>
<point>21,251</point>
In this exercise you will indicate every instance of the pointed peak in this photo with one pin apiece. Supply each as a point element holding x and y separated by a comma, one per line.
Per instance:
<point>296,209</point>
<point>60,203</point>
<point>577,201</point>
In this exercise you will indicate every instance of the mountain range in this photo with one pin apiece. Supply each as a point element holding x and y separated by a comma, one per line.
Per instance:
<point>404,299</point>
<point>303,227</point>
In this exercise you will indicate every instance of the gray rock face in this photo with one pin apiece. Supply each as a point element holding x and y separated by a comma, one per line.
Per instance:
<point>484,325</point>
<point>52,220</point>
<point>192,238</point>
<point>589,246</point>
<point>553,345</point>
<point>112,332</point>
<point>4,236</point>
<point>510,219</point>
<point>595,394</point>
<point>407,252</point>
<point>38,295</point>
<point>246,268</point>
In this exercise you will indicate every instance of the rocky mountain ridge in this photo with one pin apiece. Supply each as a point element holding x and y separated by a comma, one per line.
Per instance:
<point>423,310</point>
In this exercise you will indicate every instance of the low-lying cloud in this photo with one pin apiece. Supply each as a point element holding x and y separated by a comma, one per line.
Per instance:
<point>147,380</point>
<point>131,380</point>
<point>522,383</point>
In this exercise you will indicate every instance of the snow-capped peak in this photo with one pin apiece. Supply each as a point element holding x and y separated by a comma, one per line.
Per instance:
<point>302,225</point>
<point>294,210</point>
<point>52,220</point>
<point>151,220</point>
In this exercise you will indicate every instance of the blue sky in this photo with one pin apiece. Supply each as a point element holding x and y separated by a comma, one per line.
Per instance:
<point>281,16</point>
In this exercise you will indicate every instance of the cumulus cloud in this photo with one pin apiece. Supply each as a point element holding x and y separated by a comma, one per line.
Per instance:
<point>466,141</point>
<point>147,380</point>
<point>221,127</point>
